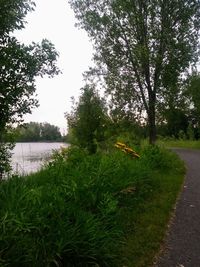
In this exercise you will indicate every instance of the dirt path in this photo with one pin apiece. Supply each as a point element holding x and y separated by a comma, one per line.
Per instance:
<point>183,242</point>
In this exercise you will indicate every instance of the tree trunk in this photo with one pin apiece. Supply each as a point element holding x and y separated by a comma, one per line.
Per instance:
<point>152,120</point>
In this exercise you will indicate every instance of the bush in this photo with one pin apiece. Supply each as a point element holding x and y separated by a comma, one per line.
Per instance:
<point>159,158</point>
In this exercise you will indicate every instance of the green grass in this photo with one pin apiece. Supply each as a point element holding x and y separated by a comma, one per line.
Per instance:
<point>148,231</point>
<point>106,210</point>
<point>180,143</point>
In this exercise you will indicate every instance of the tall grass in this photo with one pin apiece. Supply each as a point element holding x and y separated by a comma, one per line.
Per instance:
<point>194,144</point>
<point>79,210</point>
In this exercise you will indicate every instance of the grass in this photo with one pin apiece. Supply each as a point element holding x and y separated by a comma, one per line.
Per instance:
<point>147,235</point>
<point>104,210</point>
<point>180,143</point>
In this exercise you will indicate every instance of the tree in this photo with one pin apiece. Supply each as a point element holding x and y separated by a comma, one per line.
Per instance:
<point>142,47</point>
<point>193,93</point>
<point>49,132</point>
<point>173,114</point>
<point>28,132</point>
<point>35,132</point>
<point>20,65</point>
<point>177,121</point>
<point>86,122</point>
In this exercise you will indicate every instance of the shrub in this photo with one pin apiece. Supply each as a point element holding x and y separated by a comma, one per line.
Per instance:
<point>159,158</point>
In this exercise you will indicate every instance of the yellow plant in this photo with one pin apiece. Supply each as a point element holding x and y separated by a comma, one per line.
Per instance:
<point>126,149</point>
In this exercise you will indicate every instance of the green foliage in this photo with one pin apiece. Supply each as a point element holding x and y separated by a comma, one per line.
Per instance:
<point>86,122</point>
<point>159,158</point>
<point>74,212</point>
<point>190,132</point>
<point>130,140</point>
<point>34,131</point>
<point>137,49</point>
<point>170,142</point>
<point>192,91</point>
<point>180,116</point>
<point>69,216</point>
<point>19,66</point>
<point>181,135</point>
<point>13,14</point>
<point>5,158</point>
<point>6,146</point>
<point>176,121</point>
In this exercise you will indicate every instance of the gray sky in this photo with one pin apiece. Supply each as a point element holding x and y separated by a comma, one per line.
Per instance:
<point>55,21</point>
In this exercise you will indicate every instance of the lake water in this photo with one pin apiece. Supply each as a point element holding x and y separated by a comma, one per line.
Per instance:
<point>29,157</point>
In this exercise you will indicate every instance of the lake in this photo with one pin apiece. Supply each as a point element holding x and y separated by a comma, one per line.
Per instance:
<point>29,157</point>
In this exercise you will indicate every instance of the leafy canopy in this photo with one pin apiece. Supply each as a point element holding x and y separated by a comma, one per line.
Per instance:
<point>20,64</point>
<point>35,131</point>
<point>86,122</point>
<point>142,47</point>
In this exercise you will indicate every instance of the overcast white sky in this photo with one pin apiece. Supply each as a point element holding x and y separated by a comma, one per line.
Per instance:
<point>54,20</point>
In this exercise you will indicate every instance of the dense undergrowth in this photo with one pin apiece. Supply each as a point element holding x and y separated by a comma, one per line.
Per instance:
<point>89,210</point>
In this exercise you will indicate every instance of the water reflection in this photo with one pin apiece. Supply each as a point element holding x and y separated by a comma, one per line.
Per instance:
<point>29,157</point>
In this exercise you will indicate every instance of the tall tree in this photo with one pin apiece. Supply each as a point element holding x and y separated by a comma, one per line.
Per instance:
<point>87,119</point>
<point>142,46</point>
<point>20,64</point>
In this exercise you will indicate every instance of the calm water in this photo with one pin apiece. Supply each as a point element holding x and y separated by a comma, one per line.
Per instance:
<point>29,157</point>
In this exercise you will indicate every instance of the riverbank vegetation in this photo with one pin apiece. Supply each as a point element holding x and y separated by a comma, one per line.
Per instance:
<point>150,84</point>
<point>104,209</point>
<point>37,132</point>
<point>94,204</point>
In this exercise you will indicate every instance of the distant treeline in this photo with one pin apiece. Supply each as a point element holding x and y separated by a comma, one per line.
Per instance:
<point>35,132</point>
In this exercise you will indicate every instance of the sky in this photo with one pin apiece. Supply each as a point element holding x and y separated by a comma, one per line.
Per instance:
<point>54,20</point>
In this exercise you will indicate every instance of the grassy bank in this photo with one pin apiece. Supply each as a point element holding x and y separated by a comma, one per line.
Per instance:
<point>180,143</point>
<point>101,210</point>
